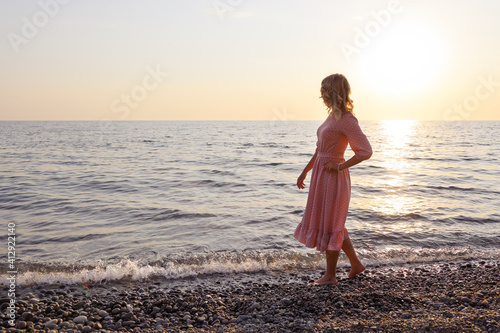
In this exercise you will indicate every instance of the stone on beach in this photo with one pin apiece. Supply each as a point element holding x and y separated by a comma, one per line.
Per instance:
<point>429,297</point>
<point>80,319</point>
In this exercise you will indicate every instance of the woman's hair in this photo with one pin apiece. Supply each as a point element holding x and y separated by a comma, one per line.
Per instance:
<point>335,91</point>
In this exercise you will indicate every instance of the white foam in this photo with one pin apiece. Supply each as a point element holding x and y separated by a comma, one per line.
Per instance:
<point>224,263</point>
<point>134,270</point>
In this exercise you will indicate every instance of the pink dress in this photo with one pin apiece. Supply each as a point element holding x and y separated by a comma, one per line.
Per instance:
<point>323,223</point>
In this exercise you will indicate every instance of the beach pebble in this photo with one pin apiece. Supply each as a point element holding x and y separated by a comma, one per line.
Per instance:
<point>406,315</point>
<point>79,305</point>
<point>27,316</point>
<point>254,306</point>
<point>243,318</point>
<point>80,320</point>
<point>127,316</point>
<point>102,313</point>
<point>21,324</point>
<point>64,324</point>
<point>51,324</point>
<point>485,303</point>
<point>437,305</point>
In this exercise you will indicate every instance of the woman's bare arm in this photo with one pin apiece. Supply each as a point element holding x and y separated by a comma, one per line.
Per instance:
<point>309,166</point>
<point>335,167</point>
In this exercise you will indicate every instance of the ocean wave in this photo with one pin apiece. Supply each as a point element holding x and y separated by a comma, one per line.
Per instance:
<point>218,172</point>
<point>271,164</point>
<point>495,218</point>
<point>210,183</point>
<point>169,214</point>
<point>227,263</point>
<point>263,221</point>
<point>437,189</point>
<point>368,215</point>
<point>67,239</point>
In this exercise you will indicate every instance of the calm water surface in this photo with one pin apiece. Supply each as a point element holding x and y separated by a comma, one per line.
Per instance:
<point>95,200</point>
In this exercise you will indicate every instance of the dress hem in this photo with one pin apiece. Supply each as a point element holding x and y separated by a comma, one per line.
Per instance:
<point>326,242</point>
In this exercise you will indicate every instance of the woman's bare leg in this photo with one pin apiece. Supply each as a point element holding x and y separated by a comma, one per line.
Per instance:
<point>330,276</point>
<point>356,265</point>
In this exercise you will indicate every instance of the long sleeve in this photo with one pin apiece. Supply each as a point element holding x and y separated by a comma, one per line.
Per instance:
<point>357,139</point>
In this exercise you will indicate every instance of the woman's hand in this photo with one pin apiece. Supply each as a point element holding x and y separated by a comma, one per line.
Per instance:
<point>331,167</point>
<point>300,181</point>
<point>309,166</point>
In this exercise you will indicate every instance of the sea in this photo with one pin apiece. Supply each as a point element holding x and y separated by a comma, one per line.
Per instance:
<point>94,201</point>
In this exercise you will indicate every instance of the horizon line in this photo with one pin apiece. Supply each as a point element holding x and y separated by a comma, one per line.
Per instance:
<point>271,120</point>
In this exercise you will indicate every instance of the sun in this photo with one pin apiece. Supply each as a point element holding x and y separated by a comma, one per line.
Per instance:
<point>405,58</point>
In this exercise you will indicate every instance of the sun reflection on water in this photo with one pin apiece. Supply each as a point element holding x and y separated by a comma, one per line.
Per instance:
<point>398,136</point>
<point>402,227</point>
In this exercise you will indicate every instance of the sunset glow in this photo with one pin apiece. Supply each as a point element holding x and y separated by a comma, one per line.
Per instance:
<point>241,60</point>
<point>408,59</point>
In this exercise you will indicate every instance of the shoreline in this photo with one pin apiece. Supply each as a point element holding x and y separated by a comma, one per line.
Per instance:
<point>441,297</point>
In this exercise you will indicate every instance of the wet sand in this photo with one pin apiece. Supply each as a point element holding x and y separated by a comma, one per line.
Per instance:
<point>445,297</point>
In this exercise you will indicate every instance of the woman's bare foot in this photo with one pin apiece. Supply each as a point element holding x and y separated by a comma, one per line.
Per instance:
<point>355,270</point>
<point>325,280</point>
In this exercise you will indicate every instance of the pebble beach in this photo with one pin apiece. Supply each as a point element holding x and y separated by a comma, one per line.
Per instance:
<point>458,296</point>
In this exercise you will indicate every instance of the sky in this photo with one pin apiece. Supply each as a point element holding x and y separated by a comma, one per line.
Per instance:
<point>247,59</point>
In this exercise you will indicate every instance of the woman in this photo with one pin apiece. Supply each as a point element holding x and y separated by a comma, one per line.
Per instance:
<point>323,223</point>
